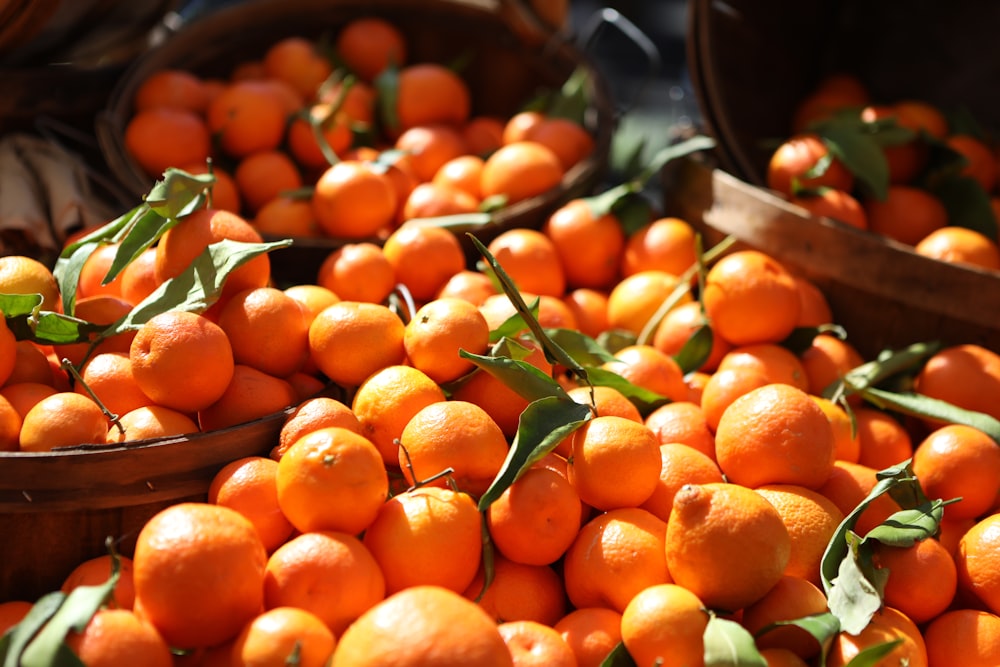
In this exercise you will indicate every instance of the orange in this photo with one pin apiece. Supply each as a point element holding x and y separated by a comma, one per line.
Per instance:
<point>907,214</point>
<point>779,657</point>
<point>568,139</point>
<point>424,257</point>
<point>431,200</point>
<point>369,44</point>
<point>591,632</point>
<point>980,162</point>
<point>800,154</point>
<point>960,245</point>
<point>150,421</point>
<point>520,592</point>
<point>604,401</point>
<point>966,637</point>
<point>181,244</point>
<point>473,286</point>
<point>306,384</point>
<point>182,360</point>
<point>834,92</point>
<point>249,486</point>
<point>520,170</point>
<point>199,573</point>
<point>615,462</point>
<point>923,116</point>
<point>959,461</point>
<point>721,388</point>
<point>357,272</point>
<point>963,375</point>
<point>352,200</point>
<point>664,244</point>
<point>160,137</point>
<point>826,361</point>
<point>501,402</point>
<point>814,307</point>
<point>108,376</point>
<point>664,625</point>
<point>173,88</point>
<point>517,126</point>
<point>10,423</point>
<point>438,331</point>
<point>834,204</point>
<point>331,479</point>
<point>682,422</point>
<point>384,403</point>
<point>553,313</point>
<point>906,160</point>
<point>845,439</point>
<point>251,394</point>
<point>589,246</point>
<point>264,175</point>
<point>910,569</point>
<point>327,573</point>
<point>976,560</point>
<point>751,298</point>
<point>811,520</point>
<point>452,434</point>
<point>429,93</point>
<point>726,544</point>
<point>679,325</point>
<point>311,415</point>
<point>282,634</point>
<point>589,308</point>
<point>298,62</point>
<point>429,626</point>
<point>63,419</point>
<point>534,644</point>
<point>99,309</point>
<point>887,625</point>
<point>139,277</point>
<point>430,146</point>
<point>251,318</point>
<point>850,483</point>
<point>462,172</point>
<point>96,571</point>
<point>318,130</point>
<point>246,116</point>
<point>531,260</point>
<point>285,216</point>
<point>775,434</point>
<point>679,465</point>
<point>635,299</point>
<point>94,270</point>
<point>12,612</point>
<point>427,536</point>
<point>536,518</point>
<point>350,340</point>
<point>30,364</point>
<point>119,637</point>
<point>483,134</point>
<point>26,275</point>
<point>778,364</point>
<point>22,396</point>
<point>883,441</point>
<point>789,599</point>
<point>312,298</point>
<point>647,367</point>
<point>615,555</point>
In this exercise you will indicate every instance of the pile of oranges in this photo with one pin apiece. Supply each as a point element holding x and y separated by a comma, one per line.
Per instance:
<point>348,145</point>
<point>935,178</point>
<point>681,506</point>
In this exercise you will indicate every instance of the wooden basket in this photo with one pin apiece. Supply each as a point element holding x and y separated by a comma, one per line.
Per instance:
<point>882,292</point>
<point>511,57</point>
<point>751,63</point>
<point>57,508</point>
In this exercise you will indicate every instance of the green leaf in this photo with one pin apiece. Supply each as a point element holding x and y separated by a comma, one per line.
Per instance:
<point>543,425</point>
<point>823,627</point>
<point>67,273</point>
<point>633,213</point>
<point>514,324</point>
<point>871,656</point>
<point>614,340</point>
<point>643,399</point>
<point>909,526</point>
<point>906,490</point>
<point>695,352</point>
<point>457,223</point>
<point>387,89</point>
<point>524,378</point>
<point>572,101</point>
<point>852,598</point>
<point>198,286</point>
<point>672,152</point>
<point>584,349</point>
<point>918,405</point>
<point>18,637</point>
<point>619,657</point>
<point>861,154</point>
<point>890,363</point>
<point>968,205</point>
<point>727,643</point>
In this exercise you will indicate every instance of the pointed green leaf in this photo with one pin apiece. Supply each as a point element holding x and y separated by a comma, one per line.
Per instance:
<point>514,324</point>
<point>67,273</point>
<point>695,352</point>
<point>619,657</point>
<point>890,363</point>
<point>457,223</point>
<point>918,405</point>
<point>728,644</point>
<point>387,87</point>
<point>543,425</point>
<point>614,340</point>
<point>19,636</point>
<point>872,656</point>
<point>19,306</point>
<point>673,152</point>
<point>968,205</point>
<point>643,399</point>
<point>584,349</point>
<point>633,213</point>
<point>862,156</point>
<point>524,378</point>
<point>823,627</point>
<point>852,598</point>
<point>144,230</point>
<point>179,193</point>
<point>572,101</point>
<point>909,526</point>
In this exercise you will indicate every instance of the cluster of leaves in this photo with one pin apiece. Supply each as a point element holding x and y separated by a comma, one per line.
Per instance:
<point>860,145</point>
